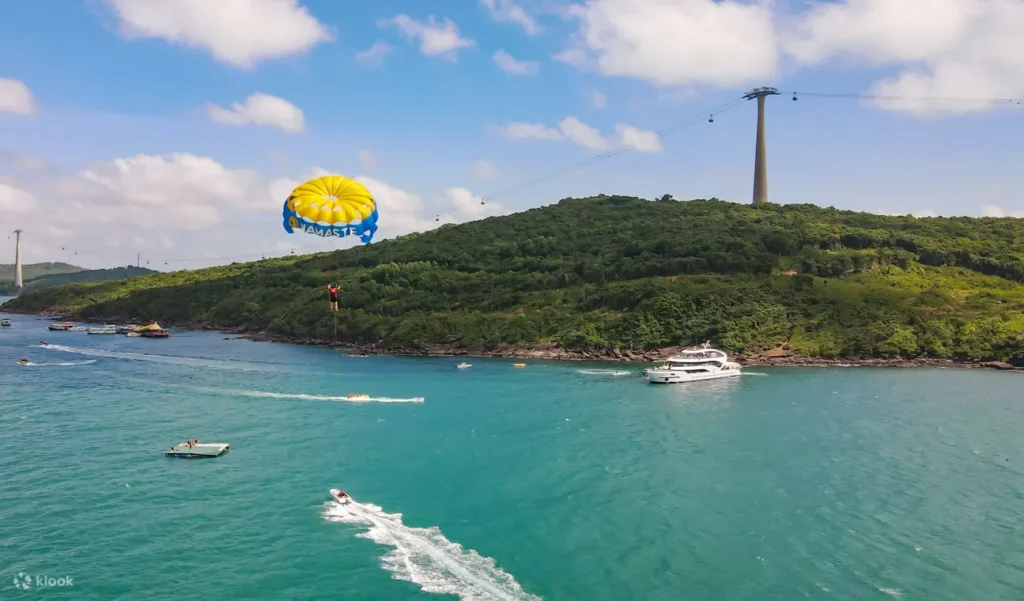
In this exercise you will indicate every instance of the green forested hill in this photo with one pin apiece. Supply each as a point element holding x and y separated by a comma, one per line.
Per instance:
<point>33,270</point>
<point>37,276</point>
<point>627,273</point>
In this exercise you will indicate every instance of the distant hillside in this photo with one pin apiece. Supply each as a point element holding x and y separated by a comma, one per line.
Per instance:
<point>37,276</point>
<point>615,274</point>
<point>34,270</point>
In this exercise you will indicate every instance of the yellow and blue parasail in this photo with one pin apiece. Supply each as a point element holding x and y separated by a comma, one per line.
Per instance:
<point>331,206</point>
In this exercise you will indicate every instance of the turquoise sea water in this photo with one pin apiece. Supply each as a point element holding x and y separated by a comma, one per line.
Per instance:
<point>553,482</point>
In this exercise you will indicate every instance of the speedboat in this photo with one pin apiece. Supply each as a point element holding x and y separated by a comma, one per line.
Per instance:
<point>355,396</point>
<point>340,496</point>
<point>694,365</point>
<point>23,362</point>
<point>133,335</point>
<point>5,322</point>
<point>463,365</point>
<point>61,327</point>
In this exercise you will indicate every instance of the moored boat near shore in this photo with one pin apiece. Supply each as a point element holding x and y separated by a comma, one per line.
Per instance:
<point>694,365</point>
<point>152,330</point>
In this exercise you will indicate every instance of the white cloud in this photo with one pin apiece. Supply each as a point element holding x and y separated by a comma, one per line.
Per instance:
<point>522,130</point>
<point>997,211</point>
<point>583,134</point>
<point>436,38</point>
<point>367,158</point>
<point>16,98</point>
<point>261,109</point>
<point>193,211</point>
<point>510,65</point>
<point>240,33</point>
<point>507,11</point>
<point>484,170</point>
<point>401,212</point>
<point>638,139</point>
<point>577,57</point>
<point>468,206</point>
<point>14,200</point>
<point>571,128</point>
<point>22,161</point>
<point>598,100</point>
<point>176,192</point>
<point>944,53</point>
<point>374,55</point>
<point>947,49</point>
<point>59,232</point>
<point>675,42</point>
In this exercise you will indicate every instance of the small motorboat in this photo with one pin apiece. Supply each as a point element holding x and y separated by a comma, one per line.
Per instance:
<point>518,365</point>
<point>23,362</point>
<point>133,335</point>
<point>355,396</point>
<point>463,365</point>
<point>6,323</point>
<point>340,496</point>
<point>193,449</point>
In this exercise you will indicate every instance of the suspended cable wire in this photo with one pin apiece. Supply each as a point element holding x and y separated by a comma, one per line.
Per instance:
<point>853,96</point>
<point>664,133</point>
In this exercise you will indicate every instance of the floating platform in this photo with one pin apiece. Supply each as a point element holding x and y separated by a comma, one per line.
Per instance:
<point>198,450</point>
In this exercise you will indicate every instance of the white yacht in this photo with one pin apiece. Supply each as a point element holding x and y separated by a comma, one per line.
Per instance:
<point>694,365</point>
<point>103,330</point>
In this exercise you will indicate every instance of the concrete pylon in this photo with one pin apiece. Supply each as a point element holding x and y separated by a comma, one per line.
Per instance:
<point>18,282</point>
<point>761,151</point>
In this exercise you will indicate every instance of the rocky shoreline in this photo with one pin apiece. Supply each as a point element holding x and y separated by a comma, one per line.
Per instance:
<point>776,357</point>
<point>550,352</point>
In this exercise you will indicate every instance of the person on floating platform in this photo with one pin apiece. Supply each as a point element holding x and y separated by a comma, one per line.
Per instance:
<point>333,290</point>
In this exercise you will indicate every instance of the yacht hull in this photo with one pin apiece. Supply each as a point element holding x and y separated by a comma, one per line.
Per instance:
<point>681,377</point>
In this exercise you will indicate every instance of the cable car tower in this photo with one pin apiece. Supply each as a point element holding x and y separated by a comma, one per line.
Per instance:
<point>761,152</point>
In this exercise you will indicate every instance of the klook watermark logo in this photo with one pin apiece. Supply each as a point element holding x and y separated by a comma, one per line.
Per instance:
<point>26,582</point>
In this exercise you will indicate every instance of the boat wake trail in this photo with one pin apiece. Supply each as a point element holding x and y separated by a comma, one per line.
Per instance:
<point>604,372</point>
<point>425,557</point>
<point>316,397</point>
<point>168,359</point>
<point>61,364</point>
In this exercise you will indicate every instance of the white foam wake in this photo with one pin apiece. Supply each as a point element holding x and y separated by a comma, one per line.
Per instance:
<point>317,397</point>
<point>168,359</point>
<point>604,372</point>
<point>61,364</point>
<point>425,557</point>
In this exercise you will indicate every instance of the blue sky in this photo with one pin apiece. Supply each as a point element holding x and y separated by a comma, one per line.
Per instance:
<point>119,152</point>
